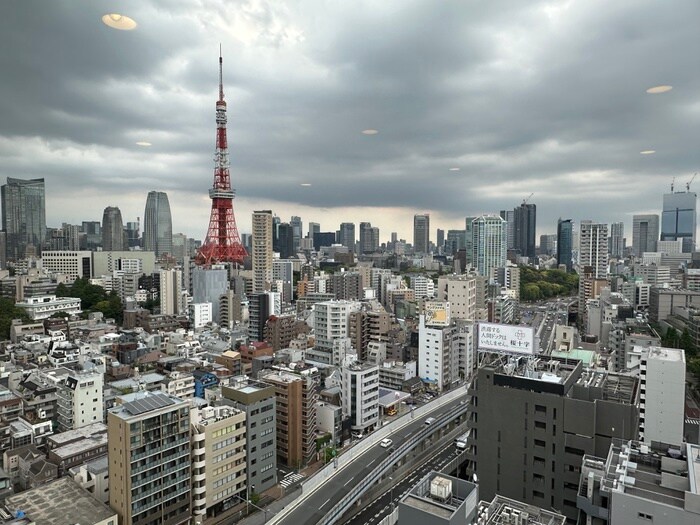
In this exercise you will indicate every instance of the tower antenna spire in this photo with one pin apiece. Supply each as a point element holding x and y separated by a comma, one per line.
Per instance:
<point>221,75</point>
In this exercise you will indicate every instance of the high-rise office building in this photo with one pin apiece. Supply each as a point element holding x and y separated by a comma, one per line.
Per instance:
<point>565,239</point>
<point>113,234</point>
<point>544,416</point>
<point>524,226</point>
<point>158,224</point>
<point>421,233</point>
<point>440,241</point>
<point>645,233</point>
<point>149,459</point>
<point>93,235</point>
<point>469,240</point>
<point>23,216</point>
<point>369,238</point>
<point>297,227</point>
<point>617,240</point>
<point>488,243</point>
<point>593,250</point>
<point>314,227</point>
<point>284,241</point>
<point>262,250</point>
<point>133,238</point>
<point>679,219</point>
<point>346,235</point>
<point>509,217</point>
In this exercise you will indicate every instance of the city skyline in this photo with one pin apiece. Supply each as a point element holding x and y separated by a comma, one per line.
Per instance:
<point>544,99</point>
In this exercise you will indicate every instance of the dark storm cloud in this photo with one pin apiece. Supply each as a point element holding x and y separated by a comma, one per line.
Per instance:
<point>521,96</point>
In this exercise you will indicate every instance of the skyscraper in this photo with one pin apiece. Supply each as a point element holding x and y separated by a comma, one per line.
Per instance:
<point>593,251</point>
<point>524,226</point>
<point>113,234</point>
<point>369,238</point>
<point>297,227</point>
<point>509,217</point>
<point>617,239</point>
<point>284,243</point>
<point>440,241</point>
<point>346,235</point>
<point>421,233</point>
<point>469,239</point>
<point>645,233</point>
<point>23,215</point>
<point>262,250</point>
<point>565,240</point>
<point>314,227</point>
<point>158,224</point>
<point>679,219</point>
<point>489,243</point>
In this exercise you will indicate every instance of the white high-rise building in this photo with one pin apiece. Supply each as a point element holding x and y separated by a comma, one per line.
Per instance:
<point>331,321</point>
<point>489,243</point>
<point>593,249</point>
<point>262,250</point>
<point>171,292</point>
<point>360,395</point>
<point>438,365</point>
<point>661,394</point>
<point>80,400</point>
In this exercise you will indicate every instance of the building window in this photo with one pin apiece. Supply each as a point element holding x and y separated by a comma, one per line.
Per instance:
<point>645,516</point>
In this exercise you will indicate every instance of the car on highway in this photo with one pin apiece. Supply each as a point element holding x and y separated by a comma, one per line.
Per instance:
<point>430,421</point>
<point>385,443</point>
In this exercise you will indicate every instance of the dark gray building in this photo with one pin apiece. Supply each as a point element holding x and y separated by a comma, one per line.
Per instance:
<point>113,235</point>
<point>158,224</point>
<point>23,216</point>
<point>524,228</point>
<point>421,233</point>
<point>346,235</point>
<point>258,401</point>
<point>532,421</point>
<point>565,242</point>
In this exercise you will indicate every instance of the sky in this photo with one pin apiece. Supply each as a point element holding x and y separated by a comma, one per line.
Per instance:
<point>477,105</point>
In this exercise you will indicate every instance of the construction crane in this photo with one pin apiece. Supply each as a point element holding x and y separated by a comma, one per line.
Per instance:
<point>687,184</point>
<point>527,199</point>
<point>672,183</point>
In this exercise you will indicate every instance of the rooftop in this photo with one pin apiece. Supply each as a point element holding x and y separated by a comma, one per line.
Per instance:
<point>61,502</point>
<point>666,354</point>
<point>666,474</point>
<point>504,510</point>
<point>69,436</point>
<point>141,402</point>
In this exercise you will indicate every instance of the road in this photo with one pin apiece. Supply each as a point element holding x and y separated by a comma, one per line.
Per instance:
<point>543,317</point>
<point>320,502</point>
<point>381,506</point>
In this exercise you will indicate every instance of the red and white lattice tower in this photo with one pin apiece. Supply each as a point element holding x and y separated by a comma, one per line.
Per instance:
<point>223,244</point>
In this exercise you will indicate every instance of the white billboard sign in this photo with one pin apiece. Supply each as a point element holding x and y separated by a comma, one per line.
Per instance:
<point>506,338</point>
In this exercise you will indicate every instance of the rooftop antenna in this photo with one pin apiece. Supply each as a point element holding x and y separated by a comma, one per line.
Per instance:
<point>221,75</point>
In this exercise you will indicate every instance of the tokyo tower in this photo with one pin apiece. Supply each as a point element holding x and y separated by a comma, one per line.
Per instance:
<point>223,244</point>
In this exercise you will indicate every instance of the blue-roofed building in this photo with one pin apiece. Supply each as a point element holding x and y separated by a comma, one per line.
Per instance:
<point>202,381</point>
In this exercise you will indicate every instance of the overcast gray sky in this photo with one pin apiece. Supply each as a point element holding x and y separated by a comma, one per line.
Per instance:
<point>522,96</point>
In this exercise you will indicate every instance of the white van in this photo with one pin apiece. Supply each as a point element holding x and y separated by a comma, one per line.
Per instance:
<point>430,421</point>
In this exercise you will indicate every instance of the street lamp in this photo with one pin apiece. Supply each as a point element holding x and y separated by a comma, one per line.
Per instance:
<point>247,499</point>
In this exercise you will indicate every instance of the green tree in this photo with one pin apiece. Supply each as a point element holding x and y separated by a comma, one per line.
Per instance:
<point>8,312</point>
